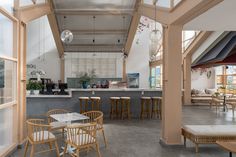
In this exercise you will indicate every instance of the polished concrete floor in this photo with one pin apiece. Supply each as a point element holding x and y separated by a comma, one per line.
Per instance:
<point>140,138</point>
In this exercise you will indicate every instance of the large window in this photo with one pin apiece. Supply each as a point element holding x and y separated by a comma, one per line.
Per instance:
<point>156,77</point>
<point>8,80</point>
<point>105,65</point>
<point>6,36</point>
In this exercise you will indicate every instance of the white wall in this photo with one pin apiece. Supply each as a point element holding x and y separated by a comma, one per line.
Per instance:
<point>201,81</point>
<point>138,59</point>
<point>41,49</point>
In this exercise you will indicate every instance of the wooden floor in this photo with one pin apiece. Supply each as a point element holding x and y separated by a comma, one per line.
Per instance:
<point>140,138</point>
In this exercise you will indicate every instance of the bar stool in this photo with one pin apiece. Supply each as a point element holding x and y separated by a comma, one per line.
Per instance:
<point>114,106</point>
<point>96,103</point>
<point>156,106</point>
<point>145,106</point>
<point>83,101</point>
<point>125,107</point>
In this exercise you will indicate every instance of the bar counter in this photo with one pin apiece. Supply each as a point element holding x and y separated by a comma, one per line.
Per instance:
<point>38,105</point>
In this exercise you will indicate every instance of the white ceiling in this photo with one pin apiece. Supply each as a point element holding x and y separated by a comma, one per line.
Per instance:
<point>219,18</point>
<point>109,28</point>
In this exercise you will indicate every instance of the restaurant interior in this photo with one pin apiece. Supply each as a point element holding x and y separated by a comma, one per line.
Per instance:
<point>121,78</point>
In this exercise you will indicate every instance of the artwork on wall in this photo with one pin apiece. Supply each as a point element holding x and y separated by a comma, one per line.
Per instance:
<point>2,64</point>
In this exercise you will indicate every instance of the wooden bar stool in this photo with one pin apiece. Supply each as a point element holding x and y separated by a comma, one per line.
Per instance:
<point>156,106</point>
<point>114,106</point>
<point>125,107</point>
<point>96,103</point>
<point>145,106</point>
<point>83,101</point>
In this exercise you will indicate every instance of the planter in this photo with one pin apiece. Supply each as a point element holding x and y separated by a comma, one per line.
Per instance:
<point>85,85</point>
<point>36,92</point>
<point>27,92</point>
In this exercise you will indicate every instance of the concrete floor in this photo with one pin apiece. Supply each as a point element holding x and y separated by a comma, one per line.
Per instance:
<point>140,138</point>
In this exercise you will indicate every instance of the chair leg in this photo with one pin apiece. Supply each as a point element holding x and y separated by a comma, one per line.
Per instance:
<point>98,151</point>
<point>32,151</point>
<point>57,149</point>
<point>26,147</point>
<point>104,138</point>
<point>77,152</point>
<point>65,149</point>
<point>50,145</point>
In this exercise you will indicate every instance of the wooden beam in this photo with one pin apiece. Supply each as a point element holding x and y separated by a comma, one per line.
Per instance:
<point>190,9</point>
<point>93,12</point>
<point>162,14</point>
<point>197,42</point>
<point>32,12</point>
<point>55,31</point>
<point>99,32</point>
<point>133,27</point>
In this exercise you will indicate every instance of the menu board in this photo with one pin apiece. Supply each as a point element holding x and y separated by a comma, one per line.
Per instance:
<point>1,73</point>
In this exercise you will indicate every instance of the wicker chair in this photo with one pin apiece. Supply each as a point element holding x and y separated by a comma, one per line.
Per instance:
<point>39,133</point>
<point>81,136</point>
<point>55,125</point>
<point>96,116</point>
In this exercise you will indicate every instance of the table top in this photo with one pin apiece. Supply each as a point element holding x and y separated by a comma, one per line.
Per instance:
<point>228,146</point>
<point>69,117</point>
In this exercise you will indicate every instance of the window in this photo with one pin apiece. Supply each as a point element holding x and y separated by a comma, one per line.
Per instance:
<point>6,37</point>
<point>7,81</point>
<point>7,5</point>
<point>105,65</point>
<point>156,77</point>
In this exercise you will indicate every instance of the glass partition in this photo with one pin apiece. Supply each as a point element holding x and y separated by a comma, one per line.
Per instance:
<point>7,81</point>
<point>8,5</point>
<point>6,37</point>
<point>7,123</point>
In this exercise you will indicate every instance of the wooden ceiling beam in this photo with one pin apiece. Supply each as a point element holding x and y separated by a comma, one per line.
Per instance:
<point>32,12</point>
<point>55,31</point>
<point>93,12</point>
<point>99,32</point>
<point>190,9</point>
<point>162,14</point>
<point>133,28</point>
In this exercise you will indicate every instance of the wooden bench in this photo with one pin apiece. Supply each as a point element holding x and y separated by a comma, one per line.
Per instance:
<point>208,134</point>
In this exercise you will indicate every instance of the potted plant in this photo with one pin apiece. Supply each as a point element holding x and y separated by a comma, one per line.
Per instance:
<point>86,78</point>
<point>34,87</point>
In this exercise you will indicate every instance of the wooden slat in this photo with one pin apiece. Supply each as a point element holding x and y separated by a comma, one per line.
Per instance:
<point>32,12</point>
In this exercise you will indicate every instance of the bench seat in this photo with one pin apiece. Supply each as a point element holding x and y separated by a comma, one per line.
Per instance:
<point>208,134</point>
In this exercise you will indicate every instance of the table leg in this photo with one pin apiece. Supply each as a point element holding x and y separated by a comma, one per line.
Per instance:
<point>230,154</point>
<point>224,104</point>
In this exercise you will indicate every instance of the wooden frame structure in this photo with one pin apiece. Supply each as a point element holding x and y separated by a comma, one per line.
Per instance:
<point>177,16</point>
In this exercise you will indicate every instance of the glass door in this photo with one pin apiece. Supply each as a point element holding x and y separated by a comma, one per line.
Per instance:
<point>8,82</point>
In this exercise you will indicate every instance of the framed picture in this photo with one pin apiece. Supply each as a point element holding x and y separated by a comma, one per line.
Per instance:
<point>2,66</point>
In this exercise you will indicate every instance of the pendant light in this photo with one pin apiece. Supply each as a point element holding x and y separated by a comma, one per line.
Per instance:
<point>155,37</point>
<point>66,35</point>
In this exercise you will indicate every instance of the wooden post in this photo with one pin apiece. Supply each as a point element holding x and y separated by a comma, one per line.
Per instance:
<point>187,79</point>
<point>172,106</point>
<point>22,79</point>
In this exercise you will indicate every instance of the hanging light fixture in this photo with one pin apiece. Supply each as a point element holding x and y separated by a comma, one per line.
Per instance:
<point>155,37</point>
<point>66,35</point>
<point>94,17</point>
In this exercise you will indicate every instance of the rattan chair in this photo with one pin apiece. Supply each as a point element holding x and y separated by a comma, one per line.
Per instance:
<point>81,136</point>
<point>96,116</point>
<point>39,133</point>
<point>55,125</point>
